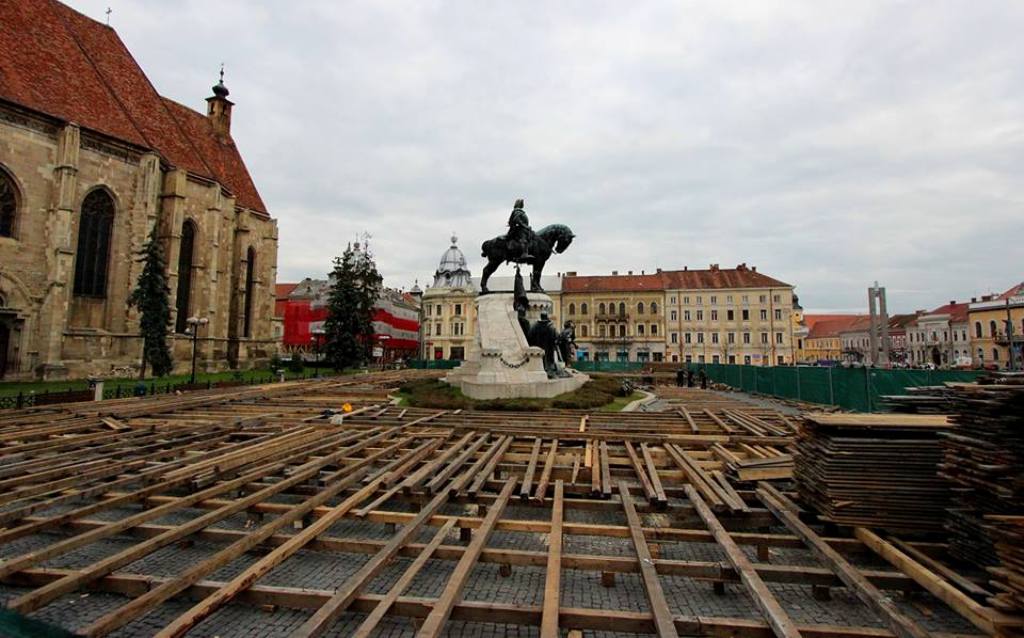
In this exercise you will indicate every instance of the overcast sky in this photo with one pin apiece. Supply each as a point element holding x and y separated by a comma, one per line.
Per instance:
<point>828,143</point>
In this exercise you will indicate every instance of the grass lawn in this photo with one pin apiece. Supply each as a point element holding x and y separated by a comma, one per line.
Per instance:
<point>621,402</point>
<point>598,393</point>
<point>127,385</point>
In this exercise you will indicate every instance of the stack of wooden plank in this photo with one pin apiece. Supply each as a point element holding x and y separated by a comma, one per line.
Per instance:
<point>874,470</point>
<point>983,461</point>
<point>762,462</point>
<point>1008,577</point>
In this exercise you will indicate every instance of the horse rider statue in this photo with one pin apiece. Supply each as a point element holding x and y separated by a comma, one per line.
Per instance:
<point>519,232</point>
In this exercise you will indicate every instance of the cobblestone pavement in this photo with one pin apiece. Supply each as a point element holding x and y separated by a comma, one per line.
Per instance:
<point>524,586</point>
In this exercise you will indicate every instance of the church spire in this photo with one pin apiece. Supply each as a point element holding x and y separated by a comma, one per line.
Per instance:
<point>218,107</point>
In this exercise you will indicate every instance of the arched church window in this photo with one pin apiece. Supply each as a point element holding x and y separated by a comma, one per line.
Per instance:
<point>95,225</point>
<point>583,308</point>
<point>186,250</point>
<point>250,276</point>
<point>622,309</point>
<point>8,205</point>
<point>600,308</point>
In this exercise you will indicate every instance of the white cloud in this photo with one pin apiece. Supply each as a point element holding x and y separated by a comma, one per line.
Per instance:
<point>829,143</point>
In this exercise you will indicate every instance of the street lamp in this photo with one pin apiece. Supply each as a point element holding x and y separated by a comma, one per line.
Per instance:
<point>193,329</point>
<point>318,334</point>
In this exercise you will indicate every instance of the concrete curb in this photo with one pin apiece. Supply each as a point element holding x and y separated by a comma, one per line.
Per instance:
<point>633,406</point>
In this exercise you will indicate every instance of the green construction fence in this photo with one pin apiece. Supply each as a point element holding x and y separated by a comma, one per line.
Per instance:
<point>857,389</point>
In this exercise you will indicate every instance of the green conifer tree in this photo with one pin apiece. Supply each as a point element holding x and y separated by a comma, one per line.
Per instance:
<point>355,288</point>
<point>152,297</point>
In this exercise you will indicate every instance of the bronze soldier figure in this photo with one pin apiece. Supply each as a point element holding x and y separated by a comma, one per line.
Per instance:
<point>519,232</point>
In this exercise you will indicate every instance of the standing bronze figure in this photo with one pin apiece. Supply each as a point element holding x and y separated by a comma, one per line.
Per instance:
<point>523,246</point>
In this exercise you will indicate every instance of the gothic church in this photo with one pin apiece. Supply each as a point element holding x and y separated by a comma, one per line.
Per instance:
<point>91,159</point>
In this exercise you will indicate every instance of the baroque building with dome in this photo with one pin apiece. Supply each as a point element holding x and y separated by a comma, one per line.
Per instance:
<point>448,321</point>
<point>92,159</point>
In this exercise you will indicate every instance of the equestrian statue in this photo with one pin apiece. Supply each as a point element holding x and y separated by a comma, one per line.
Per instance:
<point>523,246</point>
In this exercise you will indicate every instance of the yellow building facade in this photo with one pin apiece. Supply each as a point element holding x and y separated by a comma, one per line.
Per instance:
<point>995,324</point>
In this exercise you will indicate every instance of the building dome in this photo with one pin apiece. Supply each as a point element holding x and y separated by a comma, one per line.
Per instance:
<point>452,271</point>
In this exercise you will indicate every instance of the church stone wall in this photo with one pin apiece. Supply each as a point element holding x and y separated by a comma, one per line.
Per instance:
<point>56,334</point>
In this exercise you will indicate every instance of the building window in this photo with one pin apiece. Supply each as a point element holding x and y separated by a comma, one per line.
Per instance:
<point>730,337</point>
<point>686,337</point>
<point>746,315</point>
<point>762,298</point>
<point>700,315</point>
<point>674,315</point>
<point>600,308</point>
<point>583,330</point>
<point>746,359</point>
<point>622,309</point>
<point>572,309</point>
<point>250,289</point>
<point>186,248</point>
<point>764,315</point>
<point>764,337</point>
<point>686,301</point>
<point>777,298</point>
<point>584,309</point>
<point>426,328</point>
<point>458,310</point>
<point>689,358</point>
<point>93,254</point>
<point>654,330</point>
<point>778,337</point>
<point>654,307</point>
<point>714,337</point>
<point>730,315</point>
<point>686,315</point>
<point>622,330</point>
<point>714,315</point>
<point>640,330</point>
<point>8,205</point>
<point>700,337</point>
<point>781,360</point>
<point>714,358</point>
<point>437,310</point>
<point>600,330</point>
<point>992,328</point>
<point>977,329</point>
<point>778,314</point>
<point>746,337</point>
<point>700,300</point>
<point>640,308</point>
<point>437,329</point>
<point>674,337</point>
<point>672,300</point>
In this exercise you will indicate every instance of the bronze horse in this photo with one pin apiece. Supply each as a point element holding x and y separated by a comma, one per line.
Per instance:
<point>548,240</point>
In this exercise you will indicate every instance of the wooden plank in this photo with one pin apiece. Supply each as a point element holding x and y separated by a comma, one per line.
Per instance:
<point>638,469</point>
<point>553,580</point>
<point>595,467</point>
<point>321,621</point>
<point>366,629</point>
<point>606,470</point>
<point>663,622</point>
<point>531,469</point>
<point>488,470</point>
<point>652,471</point>
<point>683,412</point>
<point>984,618</point>
<point>870,595</point>
<point>545,476</point>
<point>434,623</point>
<point>776,617</point>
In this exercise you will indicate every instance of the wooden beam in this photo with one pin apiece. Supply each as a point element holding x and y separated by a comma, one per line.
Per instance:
<point>545,475</point>
<point>553,580</point>
<point>366,629</point>
<point>531,468</point>
<point>870,595</point>
<point>776,617</point>
<point>663,622</point>
<point>442,610</point>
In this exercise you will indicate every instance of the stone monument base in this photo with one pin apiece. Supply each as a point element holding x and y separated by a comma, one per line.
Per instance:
<point>500,364</point>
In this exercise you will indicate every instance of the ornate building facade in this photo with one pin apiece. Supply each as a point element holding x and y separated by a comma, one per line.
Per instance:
<point>92,159</point>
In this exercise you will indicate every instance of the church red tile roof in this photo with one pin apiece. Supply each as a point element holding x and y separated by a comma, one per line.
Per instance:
<point>60,63</point>
<point>712,278</point>
<point>836,324</point>
<point>957,311</point>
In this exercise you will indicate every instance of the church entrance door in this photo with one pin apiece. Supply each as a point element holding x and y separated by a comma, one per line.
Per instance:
<point>5,342</point>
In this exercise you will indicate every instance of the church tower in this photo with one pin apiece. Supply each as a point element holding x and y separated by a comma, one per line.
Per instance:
<point>218,108</point>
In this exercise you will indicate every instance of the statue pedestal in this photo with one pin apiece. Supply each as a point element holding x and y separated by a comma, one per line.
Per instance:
<point>500,364</point>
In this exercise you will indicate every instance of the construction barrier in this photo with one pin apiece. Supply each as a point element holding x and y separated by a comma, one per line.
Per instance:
<point>857,389</point>
<point>608,366</point>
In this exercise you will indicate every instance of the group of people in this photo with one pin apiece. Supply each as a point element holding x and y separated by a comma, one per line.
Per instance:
<point>684,378</point>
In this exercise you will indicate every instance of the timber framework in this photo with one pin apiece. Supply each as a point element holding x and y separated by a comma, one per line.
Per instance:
<point>323,508</point>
